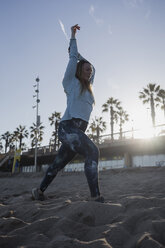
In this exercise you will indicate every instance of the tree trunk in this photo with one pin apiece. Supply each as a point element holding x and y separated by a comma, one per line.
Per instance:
<point>98,134</point>
<point>55,138</point>
<point>20,142</point>
<point>120,129</point>
<point>6,145</point>
<point>112,122</point>
<point>164,107</point>
<point>152,111</point>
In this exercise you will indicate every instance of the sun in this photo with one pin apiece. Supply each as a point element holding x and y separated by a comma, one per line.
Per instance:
<point>143,126</point>
<point>145,132</point>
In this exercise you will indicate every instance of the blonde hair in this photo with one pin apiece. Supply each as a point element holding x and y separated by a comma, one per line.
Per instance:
<point>85,84</point>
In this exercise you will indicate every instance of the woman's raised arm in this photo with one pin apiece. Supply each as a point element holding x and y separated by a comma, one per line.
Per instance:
<point>73,57</point>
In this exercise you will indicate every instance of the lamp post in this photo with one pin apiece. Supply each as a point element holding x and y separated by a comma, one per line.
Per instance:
<point>36,86</point>
<point>132,129</point>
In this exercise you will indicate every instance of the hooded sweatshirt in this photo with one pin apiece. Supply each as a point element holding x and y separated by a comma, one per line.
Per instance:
<point>79,105</point>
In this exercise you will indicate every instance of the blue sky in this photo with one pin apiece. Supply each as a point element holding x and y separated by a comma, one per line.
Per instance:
<point>124,39</point>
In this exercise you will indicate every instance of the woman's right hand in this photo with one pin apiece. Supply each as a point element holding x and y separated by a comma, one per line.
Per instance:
<point>74,29</point>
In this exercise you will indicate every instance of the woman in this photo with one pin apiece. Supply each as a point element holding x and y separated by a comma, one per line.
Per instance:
<point>77,86</point>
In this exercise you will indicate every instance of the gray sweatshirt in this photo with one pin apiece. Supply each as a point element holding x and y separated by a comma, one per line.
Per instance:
<point>79,105</point>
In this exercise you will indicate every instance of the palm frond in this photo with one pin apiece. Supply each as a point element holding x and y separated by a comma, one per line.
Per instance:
<point>145,101</point>
<point>157,88</point>
<point>146,91</point>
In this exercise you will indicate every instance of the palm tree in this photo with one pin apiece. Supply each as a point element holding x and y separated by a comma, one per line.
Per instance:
<point>21,133</point>
<point>161,96</point>
<point>51,143</point>
<point>123,117</point>
<point>7,137</point>
<point>97,126</point>
<point>150,95</point>
<point>15,138</point>
<point>112,105</point>
<point>1,146</point>
<point>34,131</point>
<point>54,120</point>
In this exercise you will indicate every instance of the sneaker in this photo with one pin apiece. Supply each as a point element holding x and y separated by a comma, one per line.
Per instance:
<point>37,194</point>
<point>98,199</point>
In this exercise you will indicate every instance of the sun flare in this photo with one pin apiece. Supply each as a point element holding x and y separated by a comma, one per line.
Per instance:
<point>143,128</point>
<point>145,132</point>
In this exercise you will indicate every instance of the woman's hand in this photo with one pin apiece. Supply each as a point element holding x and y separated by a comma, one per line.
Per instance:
<point>73,30</point>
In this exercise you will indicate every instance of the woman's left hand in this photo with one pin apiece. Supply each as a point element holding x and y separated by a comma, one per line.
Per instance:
<point>74,29</point>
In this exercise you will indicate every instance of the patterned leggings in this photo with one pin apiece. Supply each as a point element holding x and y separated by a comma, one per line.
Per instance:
<point>74,140</point>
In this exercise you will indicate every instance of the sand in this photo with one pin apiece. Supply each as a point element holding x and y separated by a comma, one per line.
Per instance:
<point>133,214</point>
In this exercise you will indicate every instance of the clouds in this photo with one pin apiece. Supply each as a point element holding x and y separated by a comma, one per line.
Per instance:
<point>97,20</point>
<point>139,4</point>
<point>133,3</point>
<point>148,13</point>
<point>91,10</point>
<point>63,29</point>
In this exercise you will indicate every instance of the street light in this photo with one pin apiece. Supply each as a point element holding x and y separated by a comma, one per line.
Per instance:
<point>132,129</point>
<point>36,86</point>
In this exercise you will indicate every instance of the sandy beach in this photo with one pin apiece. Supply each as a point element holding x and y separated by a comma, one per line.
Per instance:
<point>133,215</point>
